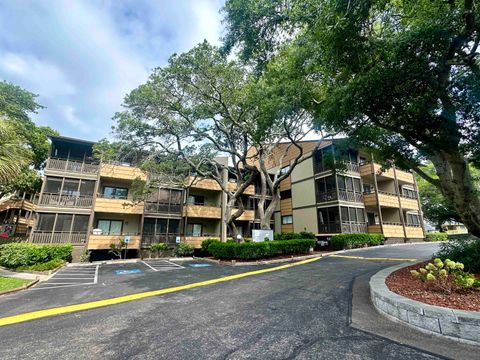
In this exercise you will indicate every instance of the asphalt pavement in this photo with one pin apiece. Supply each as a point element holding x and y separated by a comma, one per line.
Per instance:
<point>302,312</point>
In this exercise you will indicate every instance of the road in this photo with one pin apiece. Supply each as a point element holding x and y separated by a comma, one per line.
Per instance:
<point>301,312</point>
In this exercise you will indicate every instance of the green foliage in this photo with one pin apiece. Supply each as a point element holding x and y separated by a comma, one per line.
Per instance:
<point>352,241</point>
<point>462,249</point>
<point>292,235</point>
<point>183,250</point>
<point>9,283</point>
<point>436,236</point>
<point>117,248</point>
<point>49,265</point>
<point>205,245</point>
<point>258,250</point>
<point>14,155</point>
<point>85,257</point>
<point>444,275</point>
<point>15,255</point>
<point>159,248</point>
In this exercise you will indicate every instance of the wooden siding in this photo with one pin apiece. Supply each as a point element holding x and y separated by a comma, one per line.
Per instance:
<point>199,211</point>
<point>102,242</point>
<point>286,207</point>
<point>209,184</point>
<point>248,215</point>
<point>119,206</point>
<point>409,204</point>
<point>394,231</point>
<point>121,172</point>
<point>286,184</point>
<point>385,200</point>
<point>375,229</point>
<point>195,241</point>
<point>404,176</point>
<point>414,232</point>
<point>250,190</point>
<point>287,227</point>
<point>17,204</point>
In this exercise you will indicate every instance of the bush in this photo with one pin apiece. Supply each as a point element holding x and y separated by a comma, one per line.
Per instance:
<point>258,250</point>
<point>464,250</point>
<point>206,244</point>
<point>293,236</point>
<point>17,255</point>
<point>184,250</point>
<point>352,241</point>
<point>159,248</point>
<point>49,265</point>
<point>436,236</point>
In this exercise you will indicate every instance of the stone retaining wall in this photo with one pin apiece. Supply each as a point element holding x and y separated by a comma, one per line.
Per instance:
<point>457,324</point>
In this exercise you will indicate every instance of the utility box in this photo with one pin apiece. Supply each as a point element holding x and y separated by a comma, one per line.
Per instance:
<point>261,235</point>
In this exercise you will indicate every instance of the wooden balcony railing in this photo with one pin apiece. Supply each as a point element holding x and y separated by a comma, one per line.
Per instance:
<point>62,200</point>
<point>151,207</point>
<point>58,237</point>
<point>72,166</point>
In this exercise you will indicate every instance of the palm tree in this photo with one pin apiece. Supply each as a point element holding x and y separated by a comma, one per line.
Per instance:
<point>14,154</point>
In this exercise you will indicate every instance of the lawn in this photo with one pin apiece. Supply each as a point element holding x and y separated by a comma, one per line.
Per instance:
<point>7,283</point>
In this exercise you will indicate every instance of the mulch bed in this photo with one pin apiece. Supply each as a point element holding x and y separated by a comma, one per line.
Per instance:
<point>403,283</point>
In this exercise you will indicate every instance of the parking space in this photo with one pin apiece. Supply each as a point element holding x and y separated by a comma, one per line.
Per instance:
<point>71,276</point>
<point>162,265</point>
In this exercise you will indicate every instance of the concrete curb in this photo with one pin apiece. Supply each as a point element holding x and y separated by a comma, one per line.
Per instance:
<point>463,326</point>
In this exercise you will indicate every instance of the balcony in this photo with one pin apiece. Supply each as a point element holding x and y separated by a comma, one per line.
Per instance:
<point>414,231</point>
<point>343,227</point>
<point>115,171</point>
<point>202,211</point>
<point>408,203</point>
<point>66,201</point>
<point>58,237</point>
<point>103,242</point>
<point>154,208</point>
<point>385,199</point>
<point>368,169</point>
<point>57,166</point>
<point>248,215</point>
<point>343,195</point>
<point>349,167</point>
<point>119,206</point>
<point>390,229</point>
<point>149,239</point>
<point>196,241</point>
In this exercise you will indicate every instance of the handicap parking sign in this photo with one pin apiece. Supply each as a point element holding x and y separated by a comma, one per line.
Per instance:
<point>126,272</point>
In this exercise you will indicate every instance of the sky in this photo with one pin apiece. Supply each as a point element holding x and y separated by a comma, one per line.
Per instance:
<point>83,56</point>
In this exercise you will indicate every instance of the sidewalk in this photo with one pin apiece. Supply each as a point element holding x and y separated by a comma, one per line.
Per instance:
<point>22,275</point>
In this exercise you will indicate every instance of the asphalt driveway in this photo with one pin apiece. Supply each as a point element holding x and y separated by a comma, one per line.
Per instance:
<point>299,312</point>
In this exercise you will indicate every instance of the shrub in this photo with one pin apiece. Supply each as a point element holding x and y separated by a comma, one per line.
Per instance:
<point>159,248</point>
<point>436,236</point>
<point>352,241</point>
<point>206,244</point>
<point>464,250</point>
<point>307,235</point>
<point>258,250</point>
<point>293,236</point>
<point>49,265</point>
<point>184,250</point>
<point>17,255</point>
<point>444,275</point>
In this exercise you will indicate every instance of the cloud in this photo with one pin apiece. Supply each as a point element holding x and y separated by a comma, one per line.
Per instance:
<point>82,57</point>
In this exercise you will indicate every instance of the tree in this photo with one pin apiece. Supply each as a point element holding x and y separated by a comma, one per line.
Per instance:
<point>14,155</point>
<point>399,77</point>
<point>201,106</point>
<point>16,104</point>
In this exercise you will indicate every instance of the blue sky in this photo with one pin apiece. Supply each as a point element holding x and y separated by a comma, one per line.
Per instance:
<point>82,57</point>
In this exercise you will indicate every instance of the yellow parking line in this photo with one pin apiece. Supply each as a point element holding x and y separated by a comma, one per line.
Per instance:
<point>121,299</point>
<point>372,258</point>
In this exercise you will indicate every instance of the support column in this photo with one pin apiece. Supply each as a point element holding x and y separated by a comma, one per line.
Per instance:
<point>397,190</point>
<point>375,186</point>
<point>223,203</point>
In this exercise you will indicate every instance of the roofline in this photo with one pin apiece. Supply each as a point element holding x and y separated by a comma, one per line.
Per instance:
<point>70,139</point>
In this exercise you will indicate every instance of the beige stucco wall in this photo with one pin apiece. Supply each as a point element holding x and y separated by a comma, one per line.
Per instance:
<point>303,193</point>
<point>388,186</point>
<point>278,222</point>
<point>131,223</point>
<point>303,170</point>
<point>305,220</point>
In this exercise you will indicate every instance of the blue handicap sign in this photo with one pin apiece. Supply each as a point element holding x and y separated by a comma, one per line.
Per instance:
<point>200,265</point>
<point>126,272</point>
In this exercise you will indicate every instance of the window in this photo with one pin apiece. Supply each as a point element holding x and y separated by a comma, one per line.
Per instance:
<point>408,192</point>
<point>64,221</point>
<point>285,194</point>
<point>413,219</point>
<point>53,185</point>
<point>80,223</point>
<point>349,182</point>
<point>110,227</point>
<point>341,182</point>
<point>45,222</point>
<point>115,192</point>
<point>360,216</point>
<point>70,187</point>
<point>287,220</point>
<point>196,199</point>
<point>330,183</point>
<point>353,214</point>
<point>344,211</point>
<point>194,229</point>
<point>356,185</point>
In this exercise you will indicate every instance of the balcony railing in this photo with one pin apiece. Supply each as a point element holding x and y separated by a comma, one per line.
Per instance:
<point>58,237</point>
<point>162,208</point>
<point>343,227</point>
<point>62,200</point>
<point>343,195</point>
<point>212,235</point>
<point>72,166</point>
<point>149,239</point>
<point>349,166</point>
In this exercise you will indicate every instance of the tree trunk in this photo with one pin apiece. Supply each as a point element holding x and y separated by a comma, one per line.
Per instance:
<point>456,184</point>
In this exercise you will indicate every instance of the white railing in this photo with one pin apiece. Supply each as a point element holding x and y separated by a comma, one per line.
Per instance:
<point>58,237</point>
<point>76,201</point>
<point>72,166</point>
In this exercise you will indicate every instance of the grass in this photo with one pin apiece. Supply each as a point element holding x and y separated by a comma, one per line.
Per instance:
<point>8,283</point>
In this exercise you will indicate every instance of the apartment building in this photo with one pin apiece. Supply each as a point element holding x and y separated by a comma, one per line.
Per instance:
<point>17,214</point>
<point>90,205</point>
<point>360,197</point>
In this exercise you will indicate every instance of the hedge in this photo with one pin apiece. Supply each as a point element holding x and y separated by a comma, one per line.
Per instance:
<point>206,243</point>
<point>258,250</point>
<point>293,236</point>
<point>16,255</point>
<point>351,241</point>
<point>436,236</point>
